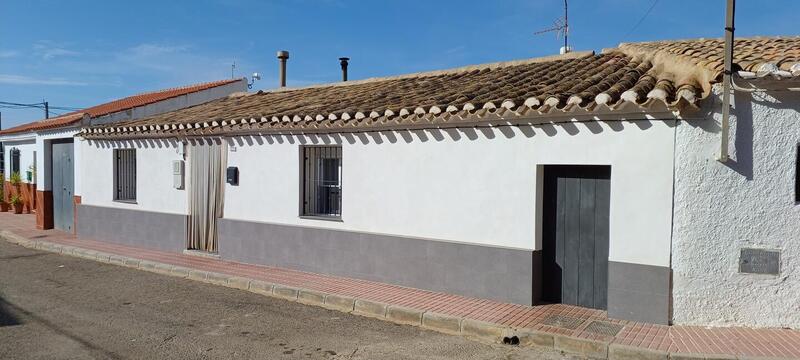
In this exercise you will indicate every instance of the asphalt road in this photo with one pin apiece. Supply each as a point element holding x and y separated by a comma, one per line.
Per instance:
<point>60,307</point>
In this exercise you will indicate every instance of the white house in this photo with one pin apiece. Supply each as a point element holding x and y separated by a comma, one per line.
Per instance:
<point>588,179</point>
<point>43,151</point>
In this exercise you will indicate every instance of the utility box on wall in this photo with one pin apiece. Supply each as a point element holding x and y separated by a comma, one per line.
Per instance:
<point>232,175</point>
<point>177,174</point>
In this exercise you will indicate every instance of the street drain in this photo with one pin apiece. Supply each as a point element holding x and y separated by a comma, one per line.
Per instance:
<point>604,328</point>
<point>563,321</point>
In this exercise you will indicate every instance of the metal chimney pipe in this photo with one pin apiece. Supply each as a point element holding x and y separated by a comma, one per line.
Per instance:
<point>343,61</point>
<point>283,55</point>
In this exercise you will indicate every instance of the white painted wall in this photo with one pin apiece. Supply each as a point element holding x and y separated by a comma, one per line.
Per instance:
<point>474,186</point>
<point>26,147</point>
<point>154,190</point>
<point>44,158</point>
<point>748,202</point>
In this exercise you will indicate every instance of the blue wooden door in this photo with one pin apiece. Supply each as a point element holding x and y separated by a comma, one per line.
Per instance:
<point>63,186</point>
<point>575,235</point>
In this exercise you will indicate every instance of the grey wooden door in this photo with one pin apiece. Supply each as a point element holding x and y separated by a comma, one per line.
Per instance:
<point>63,186</point>
<point>575,235</point>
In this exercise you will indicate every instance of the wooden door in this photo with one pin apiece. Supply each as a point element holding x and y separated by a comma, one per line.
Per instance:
<point>575,235</point>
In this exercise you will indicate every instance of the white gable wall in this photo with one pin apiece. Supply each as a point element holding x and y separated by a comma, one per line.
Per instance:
<point>748,202</point>
<point>473,186</point>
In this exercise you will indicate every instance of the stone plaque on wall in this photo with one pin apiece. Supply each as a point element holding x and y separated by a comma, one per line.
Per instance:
<point>759,261</point>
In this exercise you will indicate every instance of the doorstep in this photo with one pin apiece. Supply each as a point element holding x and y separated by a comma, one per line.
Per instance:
<point>570,329</point>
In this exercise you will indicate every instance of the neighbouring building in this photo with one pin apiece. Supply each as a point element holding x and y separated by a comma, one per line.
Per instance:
<point>588,179</point>
<point>44,154</point>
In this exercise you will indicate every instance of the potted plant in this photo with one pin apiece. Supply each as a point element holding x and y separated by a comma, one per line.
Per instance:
<point>15,181</point>
<point>16,203</point>
<point>3,203</point>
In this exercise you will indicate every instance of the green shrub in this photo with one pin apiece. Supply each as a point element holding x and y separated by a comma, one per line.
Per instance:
<point>15,178</point>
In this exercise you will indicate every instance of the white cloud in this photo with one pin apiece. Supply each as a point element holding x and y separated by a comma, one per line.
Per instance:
<point>27,80</point>
<point>49,50</point>
<point>8,54</point>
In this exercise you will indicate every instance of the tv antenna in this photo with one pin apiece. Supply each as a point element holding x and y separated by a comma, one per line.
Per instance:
<point>233,68</point>
<point>561,28</point>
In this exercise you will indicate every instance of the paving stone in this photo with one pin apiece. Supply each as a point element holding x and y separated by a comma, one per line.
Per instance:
<point>132,263</point>
<point>217,278</point>
<point>585,347</point>
<point>535,338</point>
<point>370,308</point>
<point>440,322</point>
<point>720,357</point>
<point>102,257</point>
<point>163,269</point>
<point>68,250</point>
<point>198,275</point>
<point>116,260</point>
<point>338,302</point>
<point>284,292</point>
<point>404,315</point>
<point>261,287</point>
<point>686,356</point>
<point>482,330</point>
<point>147,265</point>
<point>311,297</point>
<point>624,352</point>
<point>178,271</point>
<point>239,283</point>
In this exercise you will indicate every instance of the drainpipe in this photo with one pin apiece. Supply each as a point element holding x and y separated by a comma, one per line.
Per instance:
<point>343,61</point>
<point>282,56</point>
<point>726,81</point>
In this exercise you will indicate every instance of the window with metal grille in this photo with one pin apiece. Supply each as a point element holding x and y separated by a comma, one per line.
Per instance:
<point>322,181</point>
<point>125,175</point>
<point>15,154</point>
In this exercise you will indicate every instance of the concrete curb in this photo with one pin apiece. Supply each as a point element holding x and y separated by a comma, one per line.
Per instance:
<point>443,323</point>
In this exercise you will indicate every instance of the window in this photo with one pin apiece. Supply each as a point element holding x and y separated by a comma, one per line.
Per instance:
<point>322,181</point>
<point>125,175</point>
<point>15,160</point>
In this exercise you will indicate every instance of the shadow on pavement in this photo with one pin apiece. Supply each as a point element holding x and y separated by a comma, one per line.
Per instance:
<point>6,317</point>
<point>9,319</point>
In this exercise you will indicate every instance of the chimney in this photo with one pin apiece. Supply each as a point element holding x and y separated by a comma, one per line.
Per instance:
<point>283,55</point>
<point>343,62</point>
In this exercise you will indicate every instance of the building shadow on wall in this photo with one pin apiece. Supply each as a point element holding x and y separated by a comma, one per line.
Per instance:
<point>742,159</point>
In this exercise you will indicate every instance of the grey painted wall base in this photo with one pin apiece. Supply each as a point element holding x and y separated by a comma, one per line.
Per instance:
<point>149,230</point>
<point>464,269</point>
<point>639,292</point>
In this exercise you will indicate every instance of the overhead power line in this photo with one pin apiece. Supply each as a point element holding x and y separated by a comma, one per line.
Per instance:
<point>641,20</point>
<point>44,105</point>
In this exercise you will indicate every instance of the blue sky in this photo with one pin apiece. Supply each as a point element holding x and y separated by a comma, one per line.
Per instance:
<point>81,53</point>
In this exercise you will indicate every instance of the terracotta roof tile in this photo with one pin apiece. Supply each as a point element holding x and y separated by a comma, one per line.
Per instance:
<point>65,120</point>
<point>126,103</point>
<point>655,75</point>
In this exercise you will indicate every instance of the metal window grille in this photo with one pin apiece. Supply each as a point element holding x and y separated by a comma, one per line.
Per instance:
<point>125,174</point>
<point>322,181</point>
<point>15,154</point>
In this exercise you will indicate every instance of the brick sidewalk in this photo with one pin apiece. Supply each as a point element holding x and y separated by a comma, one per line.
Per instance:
<point>564,323</point>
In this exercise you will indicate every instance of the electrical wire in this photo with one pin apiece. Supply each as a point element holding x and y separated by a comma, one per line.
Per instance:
<point>649,10</point>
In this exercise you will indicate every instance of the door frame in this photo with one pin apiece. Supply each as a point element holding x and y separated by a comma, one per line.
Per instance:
<point>544,204</point>
<point>51,206</point>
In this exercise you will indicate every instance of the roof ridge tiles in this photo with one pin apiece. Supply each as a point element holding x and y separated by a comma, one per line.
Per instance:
<point>433,73</point>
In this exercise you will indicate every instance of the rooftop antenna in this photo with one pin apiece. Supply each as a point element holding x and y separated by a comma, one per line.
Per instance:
<point>561,28</point>
<point>233,67</point>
